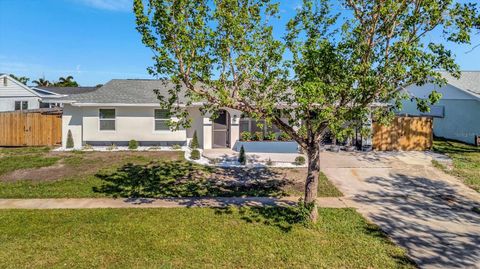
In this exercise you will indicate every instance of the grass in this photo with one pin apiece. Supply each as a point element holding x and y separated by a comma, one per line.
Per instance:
<point>192,238</point>
<point>12,159</point>
<point>466,161</point>
<point>139,174</point>
<point>325,188</point>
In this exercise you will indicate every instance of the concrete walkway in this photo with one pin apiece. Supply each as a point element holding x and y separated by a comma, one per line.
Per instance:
<point>159,203</point>
<point>421,208</point>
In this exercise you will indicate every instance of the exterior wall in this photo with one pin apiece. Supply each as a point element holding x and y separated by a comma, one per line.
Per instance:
<point>72,119</point>
<point>131,123</point>
<point>461,121</point>
<point>8,103</point>
<point>138,123</point>
<point>447,91</point>
<point>196,125</point>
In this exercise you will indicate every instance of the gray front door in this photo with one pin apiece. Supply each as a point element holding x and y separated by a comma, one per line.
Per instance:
<point>221,134</point>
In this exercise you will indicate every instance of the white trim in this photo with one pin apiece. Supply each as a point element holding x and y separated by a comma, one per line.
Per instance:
<point>125,104</point>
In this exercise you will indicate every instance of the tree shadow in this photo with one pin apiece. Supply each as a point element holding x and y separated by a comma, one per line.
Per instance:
<point>445,146</point>
<point>162,179</point>
<point>282,217</point>
<point>429,217</point>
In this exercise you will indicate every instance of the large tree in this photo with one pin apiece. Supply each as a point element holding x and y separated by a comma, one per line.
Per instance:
<point>326,75</point>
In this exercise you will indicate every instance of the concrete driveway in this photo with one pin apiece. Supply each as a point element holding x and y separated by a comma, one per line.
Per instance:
<point>421,208</point>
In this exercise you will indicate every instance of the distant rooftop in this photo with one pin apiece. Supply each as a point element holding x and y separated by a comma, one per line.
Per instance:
<point>468,81</point>
<point>124,91</point>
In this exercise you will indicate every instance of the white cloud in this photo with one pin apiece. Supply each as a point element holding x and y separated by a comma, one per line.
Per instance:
<point>112,5</point>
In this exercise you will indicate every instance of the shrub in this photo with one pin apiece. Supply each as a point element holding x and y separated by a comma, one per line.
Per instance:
<point>112,147</point>
<point>195,154</point>
<point>271,137</point>
<point>70,140</point>
<point>284,137</point>
<point>258,136</point>
<point>133,144</point>
<point>246,136</point>
<point>242,158</point>
<point>176,147</point>
<point>194,142</point>
<point>88,147</point>
<point>300,160</point>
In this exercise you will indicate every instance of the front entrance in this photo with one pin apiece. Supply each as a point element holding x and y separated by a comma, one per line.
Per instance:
<point>221,130</point>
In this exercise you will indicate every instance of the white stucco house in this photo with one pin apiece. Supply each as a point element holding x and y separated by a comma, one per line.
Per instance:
<point>127,109</point>
<point>457,115</point>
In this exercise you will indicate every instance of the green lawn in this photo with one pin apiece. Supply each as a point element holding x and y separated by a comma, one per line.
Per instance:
<point>466,161</point>
<point>12,159</point>
<point>192,238</point>
<point>38,173</point>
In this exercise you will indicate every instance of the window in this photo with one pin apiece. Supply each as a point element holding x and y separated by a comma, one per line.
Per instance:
<point>107,119</point>
<point>161,120</point>
<point>252,126</point>
<point>21,105</point>
<point>5,81</point>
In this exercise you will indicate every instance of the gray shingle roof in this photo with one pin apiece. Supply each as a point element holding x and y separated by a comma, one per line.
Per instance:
<point>68,90</point>
<point>125,91</point>
<point>469,81</point>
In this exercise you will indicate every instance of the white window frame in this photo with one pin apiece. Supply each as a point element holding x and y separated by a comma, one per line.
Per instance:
<point>160,119</point>
<point>100,119</point>
<point>21,105</point>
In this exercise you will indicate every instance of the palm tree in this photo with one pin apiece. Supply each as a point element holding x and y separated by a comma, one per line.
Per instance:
<point>66,82</point>
<point>42,82</point>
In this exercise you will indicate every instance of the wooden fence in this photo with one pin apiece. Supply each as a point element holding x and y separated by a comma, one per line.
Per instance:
<point>30,128</point>
<point>404,133</point>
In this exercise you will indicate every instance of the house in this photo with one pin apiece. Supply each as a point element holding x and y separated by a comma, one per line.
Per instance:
<point>16,96</point>
<point>127,109</point>
<point>457,114</point>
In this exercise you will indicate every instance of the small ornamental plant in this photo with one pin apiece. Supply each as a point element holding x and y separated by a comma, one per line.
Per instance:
<point>246,136</point>
<point>271,136</point>
<point>284,137</point>
<point>194,143</point>
<point>258,136</point>
<point>70,140</point>
<point>133,144</point>
<point>195,154</point>
<point>242,158</point>
<point>300,160</point>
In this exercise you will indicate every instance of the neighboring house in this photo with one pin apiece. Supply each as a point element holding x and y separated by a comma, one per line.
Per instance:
<point>122,110</point>
<point>15,96</point>
<point>457,114</point>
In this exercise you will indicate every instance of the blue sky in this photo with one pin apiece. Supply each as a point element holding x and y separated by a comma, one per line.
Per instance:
<point>96,40</point>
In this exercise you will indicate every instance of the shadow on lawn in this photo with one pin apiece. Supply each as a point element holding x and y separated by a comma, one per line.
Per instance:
<point>164,179</point>
<point>283,218</point>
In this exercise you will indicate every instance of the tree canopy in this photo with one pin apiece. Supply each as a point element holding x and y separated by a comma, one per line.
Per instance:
<point>344,61</point>
<point>21,79</point>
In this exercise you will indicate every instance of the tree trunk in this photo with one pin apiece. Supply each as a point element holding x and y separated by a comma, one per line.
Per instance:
<point>311,184</point>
